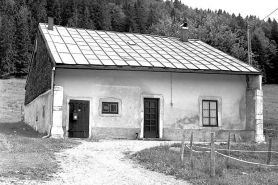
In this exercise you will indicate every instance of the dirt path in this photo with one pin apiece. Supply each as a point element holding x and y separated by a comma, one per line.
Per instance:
<point>104,163</point>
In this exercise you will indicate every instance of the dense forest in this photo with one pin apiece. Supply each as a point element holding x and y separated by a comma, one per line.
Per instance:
<point>228,32</point>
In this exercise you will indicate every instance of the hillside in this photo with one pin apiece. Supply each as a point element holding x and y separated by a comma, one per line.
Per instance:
<point>271,102</point>
<point>227,32</point>
<point>11,99</point>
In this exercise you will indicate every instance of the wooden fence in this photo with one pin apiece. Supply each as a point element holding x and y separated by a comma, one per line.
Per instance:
<point>213,151</point>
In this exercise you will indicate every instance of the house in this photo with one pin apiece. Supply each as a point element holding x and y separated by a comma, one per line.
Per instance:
<point>91,83</point>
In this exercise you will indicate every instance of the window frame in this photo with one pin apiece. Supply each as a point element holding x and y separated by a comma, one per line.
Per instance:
<point>111,100</point>
<point>219,111</point>
<point>209,112</point>
<point>110,108</point>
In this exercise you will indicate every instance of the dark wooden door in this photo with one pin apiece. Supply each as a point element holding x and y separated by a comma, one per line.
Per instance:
<point>151,116</point>
<point>79,118</point>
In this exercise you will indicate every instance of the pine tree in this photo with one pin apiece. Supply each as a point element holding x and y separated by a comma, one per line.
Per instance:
<point>7,34</point>
<point>100,15</point>
<point>117,17</point>
<point>56,12</point>
<point>67,11</point>
<point>173,14</point>
<point>23,41</point>
<point>105,18</point>
<point>74,20</point>
<point>38,14</point>
<point>7,45</point>
<point>140,15</point>
<point>130,23</point>
<point>152,19</point>
<point>274,31</point>
<point>177,4</point>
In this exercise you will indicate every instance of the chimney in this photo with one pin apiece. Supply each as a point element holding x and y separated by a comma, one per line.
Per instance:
<point>50,23</point>
<point>184,32</point>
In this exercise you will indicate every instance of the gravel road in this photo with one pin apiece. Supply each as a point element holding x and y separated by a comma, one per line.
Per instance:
<point>104,163</point>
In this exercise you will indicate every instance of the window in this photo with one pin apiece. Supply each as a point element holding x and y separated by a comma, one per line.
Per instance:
<point>43,111</point>
<point>131,43</point>
<point>109,107</point>
<point>210,113</point>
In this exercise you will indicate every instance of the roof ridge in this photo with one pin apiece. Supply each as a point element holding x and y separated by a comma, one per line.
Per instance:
<point>147,34</point>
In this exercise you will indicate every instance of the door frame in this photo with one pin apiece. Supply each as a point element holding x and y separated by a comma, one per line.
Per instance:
<point>90,112</point>
<point>160,112</point>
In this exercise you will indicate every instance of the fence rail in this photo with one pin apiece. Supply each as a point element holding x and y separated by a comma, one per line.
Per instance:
<point>243,151</point>
<point>212,150</point>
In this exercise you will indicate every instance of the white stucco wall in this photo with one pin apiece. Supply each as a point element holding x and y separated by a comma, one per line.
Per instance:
<point>128,86</point>
<point>33,113</point>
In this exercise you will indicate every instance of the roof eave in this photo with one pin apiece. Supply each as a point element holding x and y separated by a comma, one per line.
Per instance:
<point>153,69</point>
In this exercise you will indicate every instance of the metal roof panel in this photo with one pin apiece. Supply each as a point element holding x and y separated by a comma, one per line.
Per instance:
<point>95,47</point>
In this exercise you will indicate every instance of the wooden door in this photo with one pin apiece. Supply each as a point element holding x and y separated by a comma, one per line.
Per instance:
<point>79,118</point>
<point>151,116</point>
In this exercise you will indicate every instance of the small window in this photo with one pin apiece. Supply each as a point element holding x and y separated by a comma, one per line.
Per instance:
<point>131,43</point>
<point>109,107</point>
<point>210,113</point>
<point>43,111</point>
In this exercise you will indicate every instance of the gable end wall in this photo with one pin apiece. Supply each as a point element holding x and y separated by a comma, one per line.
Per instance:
<point>39,79</point>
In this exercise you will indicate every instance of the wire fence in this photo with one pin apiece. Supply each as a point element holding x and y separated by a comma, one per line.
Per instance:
<point>212,150</point>
<point>243,151</point>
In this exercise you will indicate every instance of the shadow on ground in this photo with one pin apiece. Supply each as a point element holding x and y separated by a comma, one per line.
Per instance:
<point>19,129</point>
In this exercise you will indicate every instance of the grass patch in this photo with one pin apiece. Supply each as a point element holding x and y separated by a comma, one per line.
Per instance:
<point>164,160</point>
<point>270,102</point>
<point>270,110</point>
<point>25,155</point>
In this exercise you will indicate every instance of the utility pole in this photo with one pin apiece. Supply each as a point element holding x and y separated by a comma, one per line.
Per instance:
<point>249,45</point>
<point>249,38</point>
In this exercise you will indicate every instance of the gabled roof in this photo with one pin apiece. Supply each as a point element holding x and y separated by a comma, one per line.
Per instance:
<point>92,48</point>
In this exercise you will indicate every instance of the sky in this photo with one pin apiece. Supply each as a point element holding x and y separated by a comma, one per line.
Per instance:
<point>259,8</point>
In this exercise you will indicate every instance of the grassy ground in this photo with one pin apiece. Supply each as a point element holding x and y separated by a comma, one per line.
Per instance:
<point>164,160</point>
<point>25,155</point>
<point>167,161</point>
<point>11,99</point>
<point>271,109</point>
<point>270,102</point>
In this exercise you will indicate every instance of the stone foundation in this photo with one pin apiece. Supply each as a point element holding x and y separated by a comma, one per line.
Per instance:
<point>203,135</point>
<point>200,135</point>
<point>115,133</point>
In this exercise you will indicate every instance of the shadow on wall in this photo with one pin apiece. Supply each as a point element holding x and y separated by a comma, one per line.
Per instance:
<point>187,123</point>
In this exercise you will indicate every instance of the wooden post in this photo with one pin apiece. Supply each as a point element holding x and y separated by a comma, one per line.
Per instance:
<point>191,152</point>
<point>228,151</point>
<point>269,151</point>
<point>212,156</point>
<point>249,45</point>
<point>182,147</point>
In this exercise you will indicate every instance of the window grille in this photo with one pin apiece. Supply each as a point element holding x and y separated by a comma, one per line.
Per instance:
<point>210,113</point>
<point>109,107</point>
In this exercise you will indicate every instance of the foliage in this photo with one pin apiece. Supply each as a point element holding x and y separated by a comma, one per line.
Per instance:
<point>19,20</point>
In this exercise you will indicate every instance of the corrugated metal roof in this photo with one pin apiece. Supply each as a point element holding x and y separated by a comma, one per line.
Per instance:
<point>106,48</point>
